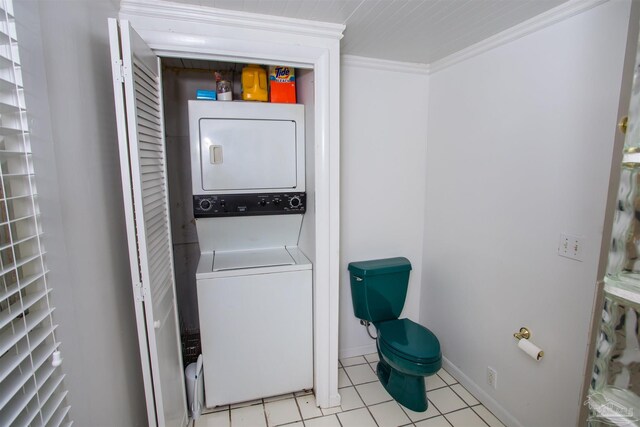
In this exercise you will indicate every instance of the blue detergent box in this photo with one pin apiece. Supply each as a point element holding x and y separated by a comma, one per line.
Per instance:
<point>209,95</point>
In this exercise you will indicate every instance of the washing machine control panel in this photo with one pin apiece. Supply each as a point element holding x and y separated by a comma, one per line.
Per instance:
<point>208,206</point>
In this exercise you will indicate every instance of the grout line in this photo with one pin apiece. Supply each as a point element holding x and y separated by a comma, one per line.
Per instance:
<point>485,421</point>
<point>460,397</point>
<point>264,412</point>
<point>295,399</point>
<point>365,405</point>
<point>439,388</point>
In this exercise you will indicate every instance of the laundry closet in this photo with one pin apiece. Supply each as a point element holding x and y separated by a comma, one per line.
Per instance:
<point>231,209</point>
<point>242,229</point>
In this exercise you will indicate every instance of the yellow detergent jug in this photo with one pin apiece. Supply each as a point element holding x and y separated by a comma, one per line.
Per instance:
<point>254,83</point>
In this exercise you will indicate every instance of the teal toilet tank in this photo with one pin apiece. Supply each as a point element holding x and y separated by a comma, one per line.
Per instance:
<point>379,288</point>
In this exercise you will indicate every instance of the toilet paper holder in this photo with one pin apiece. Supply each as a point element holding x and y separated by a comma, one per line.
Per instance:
<point>524,333</point>
<point>527,346</point>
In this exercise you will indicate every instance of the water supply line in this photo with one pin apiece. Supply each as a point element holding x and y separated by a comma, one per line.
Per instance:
<point>366,324</point>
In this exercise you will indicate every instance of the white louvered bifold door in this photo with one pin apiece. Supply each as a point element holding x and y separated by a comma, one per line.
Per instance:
<point>138,94</point>
<point>32,391</point>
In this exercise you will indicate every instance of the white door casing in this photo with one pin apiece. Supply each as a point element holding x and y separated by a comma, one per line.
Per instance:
<point>189,31</point>
<point>139,115</point>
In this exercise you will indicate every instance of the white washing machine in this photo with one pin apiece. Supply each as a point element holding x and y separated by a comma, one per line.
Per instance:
<point>254,284</point>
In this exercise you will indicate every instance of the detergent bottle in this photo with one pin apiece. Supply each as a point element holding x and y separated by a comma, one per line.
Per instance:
<point>254,83</point>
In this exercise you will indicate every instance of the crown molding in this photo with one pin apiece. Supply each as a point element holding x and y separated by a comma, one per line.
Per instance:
<point>208,15</point>
<point>552,16</point>
<point>383,64</point>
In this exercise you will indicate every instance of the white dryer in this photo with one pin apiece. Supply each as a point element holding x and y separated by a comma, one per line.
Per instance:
<point>254,285</point>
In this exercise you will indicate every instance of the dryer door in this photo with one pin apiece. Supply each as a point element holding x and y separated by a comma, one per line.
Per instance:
<point>247,154</point>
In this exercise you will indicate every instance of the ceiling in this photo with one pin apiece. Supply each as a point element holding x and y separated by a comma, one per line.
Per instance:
<point>421,31</point>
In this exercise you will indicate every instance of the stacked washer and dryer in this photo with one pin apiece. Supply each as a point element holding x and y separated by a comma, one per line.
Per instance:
<point>254,285</point>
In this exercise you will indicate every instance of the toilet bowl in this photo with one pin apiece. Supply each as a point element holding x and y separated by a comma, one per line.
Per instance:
<point>408,352</point>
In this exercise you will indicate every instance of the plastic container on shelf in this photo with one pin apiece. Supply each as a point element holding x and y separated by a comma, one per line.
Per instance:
<point>254,83</point>
<point>225,90</point>
<point>282,82</point>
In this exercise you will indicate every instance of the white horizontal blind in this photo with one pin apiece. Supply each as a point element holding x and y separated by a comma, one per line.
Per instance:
<point>31,387</point>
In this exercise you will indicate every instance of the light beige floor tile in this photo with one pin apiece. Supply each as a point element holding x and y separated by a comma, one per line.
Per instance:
<point>464,394</point>
<point>356,418</point>
<point>308,406</point>
<point>371,358</point>
<point>298,424</point>
<point>350,399</point>
<point>357,360</point>
<point>465,418</point>
<point>488,416</point>
<point>328,421</point>
<point>373,393</point>
<point>215,419</point>
<point>282,412</point>
<point>389,414</point>
<point>343,379</point>
<point>332,410</point>
<point>249,416</point>
<point>446,377</point>
<point>446,400</point>
<point>247,403</point>
<point>434,382</point>
<point>360,374</point>
<point>279,397</point>
<point>434,422</point>
<point>417,416</point>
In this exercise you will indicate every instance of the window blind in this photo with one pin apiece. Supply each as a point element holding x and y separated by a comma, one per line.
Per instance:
<point>32,392</point>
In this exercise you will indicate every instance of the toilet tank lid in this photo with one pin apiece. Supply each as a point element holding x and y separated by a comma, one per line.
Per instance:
<point>380,266</point>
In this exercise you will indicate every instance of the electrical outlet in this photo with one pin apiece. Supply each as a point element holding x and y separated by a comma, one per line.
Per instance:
<point>570,246</point>
<point>492,377</point>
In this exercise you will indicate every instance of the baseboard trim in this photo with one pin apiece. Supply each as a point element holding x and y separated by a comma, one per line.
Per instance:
<point>488,401</point>
<point>357,351</point>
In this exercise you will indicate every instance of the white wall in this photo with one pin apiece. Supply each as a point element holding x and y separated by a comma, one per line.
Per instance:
<point>519,149</point>
<point>66,62</point>
<point>382,181</point>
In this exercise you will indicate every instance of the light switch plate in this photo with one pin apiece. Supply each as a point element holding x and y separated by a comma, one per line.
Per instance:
<point>571,246</point>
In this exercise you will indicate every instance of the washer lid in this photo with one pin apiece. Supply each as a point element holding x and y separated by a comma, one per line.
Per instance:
<point>254,258</point>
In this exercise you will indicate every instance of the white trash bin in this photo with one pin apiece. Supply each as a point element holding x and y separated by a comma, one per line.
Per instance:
<point>195,387</point>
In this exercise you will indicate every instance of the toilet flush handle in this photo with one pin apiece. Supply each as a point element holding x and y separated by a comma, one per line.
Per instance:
<point>358,279</point>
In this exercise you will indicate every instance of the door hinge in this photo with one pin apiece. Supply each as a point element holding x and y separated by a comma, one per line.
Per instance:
<point>138,291</point>
<point>119,70</point>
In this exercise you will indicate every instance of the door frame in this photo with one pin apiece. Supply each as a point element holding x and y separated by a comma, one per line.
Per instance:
<point>198,32</point>
<point>631,50</point>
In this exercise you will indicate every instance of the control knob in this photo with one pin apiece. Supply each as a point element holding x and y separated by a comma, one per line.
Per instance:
<point>205,204</point>
<point>294,202</point>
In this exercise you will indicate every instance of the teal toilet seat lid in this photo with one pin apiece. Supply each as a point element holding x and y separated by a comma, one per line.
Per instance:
<point>409,340</point>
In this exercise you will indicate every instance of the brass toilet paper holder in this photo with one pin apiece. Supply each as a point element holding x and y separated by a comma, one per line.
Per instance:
<point>527,346</point>
<point>524,333</point>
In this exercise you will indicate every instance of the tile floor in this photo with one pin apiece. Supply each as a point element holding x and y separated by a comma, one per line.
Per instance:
<point>364,403</point>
